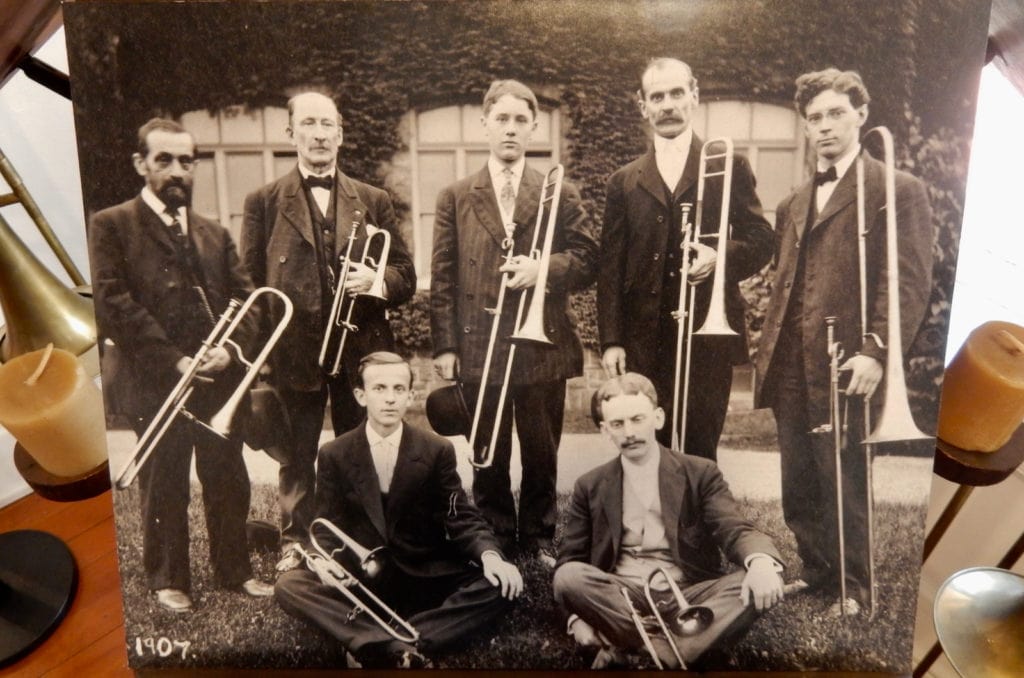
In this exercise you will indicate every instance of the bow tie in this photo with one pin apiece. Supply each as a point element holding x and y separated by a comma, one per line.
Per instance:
<point>825,177</point>
<point>319,182</point>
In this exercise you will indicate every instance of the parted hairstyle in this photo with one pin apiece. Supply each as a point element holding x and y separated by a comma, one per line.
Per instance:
<point>630,383</point>
<point>657,63</point>
<point>810,85</point>
<point>500,88</point>
<point>381,358</point>
<point>159,125</point>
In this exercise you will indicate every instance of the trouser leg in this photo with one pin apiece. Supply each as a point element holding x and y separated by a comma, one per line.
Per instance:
<point>467,605</point>
<point>492,487</point>
<point>226,493</point>
<point>297,475</point>
<point>539,412</point>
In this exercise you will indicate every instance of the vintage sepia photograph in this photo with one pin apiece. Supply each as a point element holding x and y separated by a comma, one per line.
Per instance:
<point>534,335</point>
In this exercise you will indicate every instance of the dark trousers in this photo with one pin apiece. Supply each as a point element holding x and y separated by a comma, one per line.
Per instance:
<point>596,596</point>
<point>809,498</point>
<point>164,486</point>
<point>444,610</point>
<point>538,411</point>
<point>297,475</point>
<point>708,398</point>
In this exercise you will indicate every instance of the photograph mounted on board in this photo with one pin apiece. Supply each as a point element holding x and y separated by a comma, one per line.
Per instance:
<point>545,335</point>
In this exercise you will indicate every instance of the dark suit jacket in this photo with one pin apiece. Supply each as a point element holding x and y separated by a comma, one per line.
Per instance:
<point>278,249</point>
<point>701,518</point>
<point>145,302</point>
<point>465,280</point>
<point>634,240</point>
<point>429,528</point>
<point>831,274</point>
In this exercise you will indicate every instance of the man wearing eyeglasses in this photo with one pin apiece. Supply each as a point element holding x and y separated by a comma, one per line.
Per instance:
<point>162,275</point>
<point>818,276</point>
<point>295,232</point>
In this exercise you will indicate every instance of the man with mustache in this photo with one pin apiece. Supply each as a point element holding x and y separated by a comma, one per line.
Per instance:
<point>162,275</point>
<point>294,234</point>
<point>818,276</point>
<point>652,509</point>
<point>638,285</point>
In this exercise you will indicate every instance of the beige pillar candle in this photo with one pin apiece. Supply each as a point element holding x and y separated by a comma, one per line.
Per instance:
<point>983,390</point>
<point>54,410</point>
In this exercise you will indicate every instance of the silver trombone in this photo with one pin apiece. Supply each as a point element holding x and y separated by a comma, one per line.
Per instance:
<point>339,322</point>
<point>527,330</point>
<point>716,323</point>
<point>175,403</point>
<point>690,620</point>
<point>324,564</point>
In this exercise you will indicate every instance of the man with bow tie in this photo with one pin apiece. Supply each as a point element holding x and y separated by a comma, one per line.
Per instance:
<point>818,276</point>
<point>294,233</point>
<point>162,275</point>
<point>639,282</point>
<point>477,220</point>
<point>392,485</point>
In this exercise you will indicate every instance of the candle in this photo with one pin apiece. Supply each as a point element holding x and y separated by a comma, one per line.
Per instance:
<point>54,410</point>
<point>983,390</point>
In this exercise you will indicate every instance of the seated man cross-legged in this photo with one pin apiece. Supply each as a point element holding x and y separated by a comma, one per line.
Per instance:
<point>389,484</point>
<point>653,508</point>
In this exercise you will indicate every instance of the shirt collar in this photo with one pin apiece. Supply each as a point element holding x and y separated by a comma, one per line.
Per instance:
<point>307,174</point>
<point>680,144</point>
<point>844,162</point>
<point>642,473</point>
<point>375,438</point>
<point>158,206</point>
<point>496,168</point>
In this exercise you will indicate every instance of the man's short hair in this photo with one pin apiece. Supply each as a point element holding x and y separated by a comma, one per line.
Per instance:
<point>291,103</point>
<point>500,88</point>
<point>810,85</point>
<point>658,63</point>
<point>159,125</point>
<point>381,358</point>
<point>630,383</point>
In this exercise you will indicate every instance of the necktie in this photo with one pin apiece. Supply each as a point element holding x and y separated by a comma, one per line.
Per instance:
<point>177,233</point>
<point>508,194</point>
<point>326,182</point>
<point>386,456</point>
<point>825,177</point>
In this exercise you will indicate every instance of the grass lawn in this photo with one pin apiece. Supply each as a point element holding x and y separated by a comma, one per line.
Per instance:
<point>229,629</point>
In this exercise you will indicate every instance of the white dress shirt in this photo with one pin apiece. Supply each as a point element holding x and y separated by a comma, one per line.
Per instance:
<point>321,196</point>
<point>825,191</point>
<point>384,450</point>
<point>161,209</point>
<point>671,155</point>
<point>496,170</point>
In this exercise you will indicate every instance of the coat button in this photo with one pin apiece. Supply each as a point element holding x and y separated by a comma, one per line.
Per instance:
<point>661,219</point>
<point>466,330</point>
<point>282,259</point>
<point>472,262</point>
<point>469,296</point>
<point>657,255</point>
<point>789,284</point>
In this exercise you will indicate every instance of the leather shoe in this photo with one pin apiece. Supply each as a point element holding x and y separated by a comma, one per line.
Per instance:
<point>291,560</point>
<point>256,588</point>
<point>411,659</point>
<point>851,608</point>
<point>545,558</point>
<point>174,600</point>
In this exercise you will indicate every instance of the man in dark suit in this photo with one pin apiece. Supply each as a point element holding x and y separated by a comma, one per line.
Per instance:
<point>654,508</point>
<point>161,276</point>
<point>639,282</point>
<point>817,277</point>
<point>389,484</point>
<point>477,220</point>
<point>294,232</point>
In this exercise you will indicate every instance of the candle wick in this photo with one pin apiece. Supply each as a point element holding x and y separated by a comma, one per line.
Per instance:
<point>48,351</point>
<point>1015,345</point>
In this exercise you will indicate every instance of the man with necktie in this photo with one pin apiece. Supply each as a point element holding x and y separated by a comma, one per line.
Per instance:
<point>392,485</point>
<point>162,275</point>
<point>652,508</point>
<point>817,277</point>
<point>294,233</point>
<point>639,282</point>
<point>477,220</point>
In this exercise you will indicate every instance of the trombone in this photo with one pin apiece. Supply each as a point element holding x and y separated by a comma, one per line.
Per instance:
<point>689,621</point>
<point>340,323</point>
<point>323,563</point>
<point>174,405</point>
<point>716,323</point>
<point>529,329</point>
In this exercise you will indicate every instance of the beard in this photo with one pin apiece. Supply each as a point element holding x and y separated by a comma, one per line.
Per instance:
<point>175,194</point>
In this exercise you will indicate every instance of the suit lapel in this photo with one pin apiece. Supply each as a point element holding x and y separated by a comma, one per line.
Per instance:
<point>801,208</point>
<point>155,227</point>
<point>610,496</point>
<point>649,178</point>
<point>364,477</point>
<point>295,209</point>
<point>348,210</point>
<point>405,478</point>
<point>670,491</point>
<point>485,205</point>
<point>843,195</point>
<point>692,169</point>
<point>527,200</point>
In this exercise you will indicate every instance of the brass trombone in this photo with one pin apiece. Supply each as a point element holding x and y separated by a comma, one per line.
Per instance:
<point>691,619</point>
<point>174,405</point>
<point>528,329</point>
<point>325,565</point>
<point>339,322</point>
<point>716,323</point>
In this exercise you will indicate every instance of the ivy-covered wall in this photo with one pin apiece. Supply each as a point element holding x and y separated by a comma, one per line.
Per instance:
<point>920,59</point>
